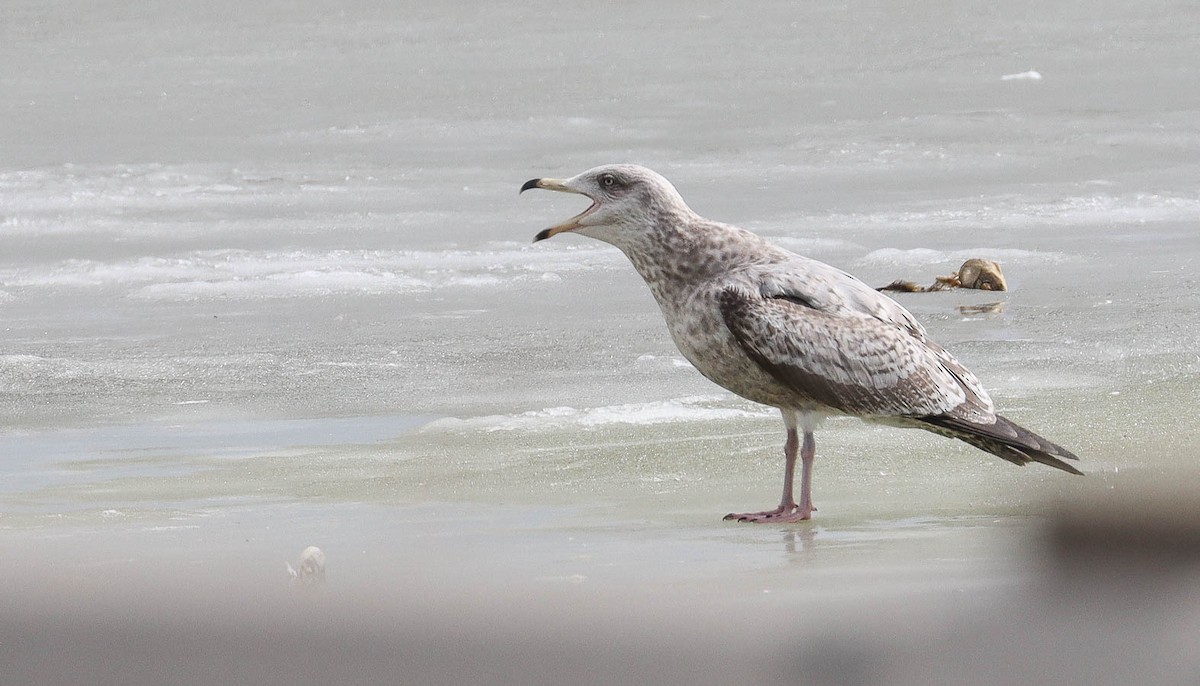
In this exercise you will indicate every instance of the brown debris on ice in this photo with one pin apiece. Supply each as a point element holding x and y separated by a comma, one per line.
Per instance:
<point>977,273</point>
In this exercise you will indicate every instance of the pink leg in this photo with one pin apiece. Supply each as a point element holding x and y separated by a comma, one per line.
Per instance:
<point>788,510</point>
<point>807,453</point>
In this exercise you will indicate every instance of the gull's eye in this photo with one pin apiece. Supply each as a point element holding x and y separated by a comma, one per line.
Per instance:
<point>608,180</point>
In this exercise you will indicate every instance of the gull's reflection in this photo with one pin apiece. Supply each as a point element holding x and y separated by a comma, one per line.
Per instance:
<point>798,541</point>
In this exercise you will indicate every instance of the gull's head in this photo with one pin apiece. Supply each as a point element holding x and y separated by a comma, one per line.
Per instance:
<point>627,201</point>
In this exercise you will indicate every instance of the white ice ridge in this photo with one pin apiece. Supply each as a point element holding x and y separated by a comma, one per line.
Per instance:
<point>272,274</point>
<point>699,408</point>
<point>1030,75</point>
<point>917,257</point>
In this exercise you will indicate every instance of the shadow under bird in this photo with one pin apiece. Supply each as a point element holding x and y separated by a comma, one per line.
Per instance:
<point>788,331</point>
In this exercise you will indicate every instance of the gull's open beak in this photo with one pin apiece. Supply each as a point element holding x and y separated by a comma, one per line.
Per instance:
<point>558,185</point>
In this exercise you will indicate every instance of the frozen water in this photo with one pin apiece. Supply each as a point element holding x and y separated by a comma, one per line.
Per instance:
<point>270,257</point>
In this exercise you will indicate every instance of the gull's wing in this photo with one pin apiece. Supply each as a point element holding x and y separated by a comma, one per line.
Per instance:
<point>845,359</point>
<point>833,340</point>
<point>829,289</point>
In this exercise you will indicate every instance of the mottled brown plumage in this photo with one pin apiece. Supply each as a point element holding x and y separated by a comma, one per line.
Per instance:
<point>788,331</point>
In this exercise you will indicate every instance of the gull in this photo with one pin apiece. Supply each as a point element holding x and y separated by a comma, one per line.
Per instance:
<point>788,331</point>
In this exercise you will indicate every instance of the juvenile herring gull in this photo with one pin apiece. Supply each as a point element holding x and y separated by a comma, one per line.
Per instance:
<point>788,331</point>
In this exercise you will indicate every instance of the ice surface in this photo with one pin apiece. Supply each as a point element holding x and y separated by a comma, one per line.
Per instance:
<point>247,250</point>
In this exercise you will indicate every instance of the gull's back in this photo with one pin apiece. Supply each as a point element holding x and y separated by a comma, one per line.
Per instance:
<point>790,331</point>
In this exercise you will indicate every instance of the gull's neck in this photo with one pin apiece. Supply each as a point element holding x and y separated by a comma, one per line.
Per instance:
<point>681,250</point>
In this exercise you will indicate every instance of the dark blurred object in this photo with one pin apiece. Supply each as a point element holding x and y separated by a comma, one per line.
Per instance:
<point>1151,529</point>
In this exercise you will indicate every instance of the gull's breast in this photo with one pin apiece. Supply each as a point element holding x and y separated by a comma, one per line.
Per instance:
<point>700,333</point>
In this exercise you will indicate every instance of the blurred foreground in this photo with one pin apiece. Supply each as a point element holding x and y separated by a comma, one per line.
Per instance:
<point>1112,599</point>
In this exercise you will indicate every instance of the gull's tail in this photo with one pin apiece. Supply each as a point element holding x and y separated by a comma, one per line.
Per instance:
<point>1003,439</point>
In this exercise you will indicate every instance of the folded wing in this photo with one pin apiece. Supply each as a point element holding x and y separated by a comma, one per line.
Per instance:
<point>840,345</point>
